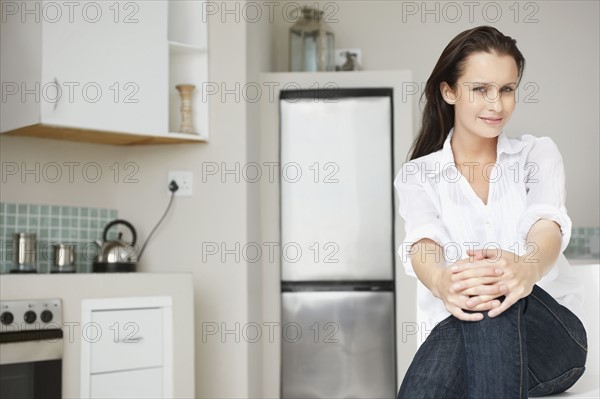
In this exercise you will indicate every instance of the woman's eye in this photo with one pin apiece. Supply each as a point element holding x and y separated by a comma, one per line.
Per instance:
<point>480,89</point>
<point>508,90</point>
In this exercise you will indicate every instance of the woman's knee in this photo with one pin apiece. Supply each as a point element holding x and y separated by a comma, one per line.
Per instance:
<point>546,311</point>
<point>509,325</point>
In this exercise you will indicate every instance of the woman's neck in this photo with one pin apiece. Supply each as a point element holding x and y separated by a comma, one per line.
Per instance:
<point>471,148</point>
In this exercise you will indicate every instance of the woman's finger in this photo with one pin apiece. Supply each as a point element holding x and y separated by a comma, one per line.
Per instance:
<point>480,286</point>
<point>476,300</point>
<point>507,303</point>
<point>480,270</point>
<point>466,264</point>
<point>487,305</point>
<point>462,315</point>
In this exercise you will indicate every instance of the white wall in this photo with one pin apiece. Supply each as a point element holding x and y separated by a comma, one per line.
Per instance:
<point>561,50</point>
<point>37,179</point>
<point>259,59</point>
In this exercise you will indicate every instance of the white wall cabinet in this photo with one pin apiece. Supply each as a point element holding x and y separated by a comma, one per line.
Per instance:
<point>102,71</point>
<point>126,349</point>
<point>111,73</point>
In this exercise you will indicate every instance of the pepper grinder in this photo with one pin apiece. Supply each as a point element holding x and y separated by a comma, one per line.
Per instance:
<point>186,92</point>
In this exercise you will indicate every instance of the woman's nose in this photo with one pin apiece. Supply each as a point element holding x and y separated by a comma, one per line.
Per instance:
<point>495,101</point>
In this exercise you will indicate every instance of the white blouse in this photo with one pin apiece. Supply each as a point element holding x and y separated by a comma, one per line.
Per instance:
<point>527,183</point>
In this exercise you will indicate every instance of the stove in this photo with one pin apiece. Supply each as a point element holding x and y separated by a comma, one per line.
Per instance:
<point>31,348</point>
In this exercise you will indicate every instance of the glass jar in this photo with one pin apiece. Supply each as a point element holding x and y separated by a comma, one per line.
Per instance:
<point>312,44</point>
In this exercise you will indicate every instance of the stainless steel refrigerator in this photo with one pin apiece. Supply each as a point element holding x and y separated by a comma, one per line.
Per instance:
<point>337,218</point>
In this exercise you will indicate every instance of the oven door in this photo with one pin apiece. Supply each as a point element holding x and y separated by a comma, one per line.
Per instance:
<point>40,379</point>
<point>31,365</point>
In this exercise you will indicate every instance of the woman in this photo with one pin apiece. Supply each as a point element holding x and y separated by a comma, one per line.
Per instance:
<point>486,226</point>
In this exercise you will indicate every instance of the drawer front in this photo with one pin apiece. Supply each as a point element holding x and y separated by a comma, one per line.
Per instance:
<point>145,383</point>
<point>125,339</point>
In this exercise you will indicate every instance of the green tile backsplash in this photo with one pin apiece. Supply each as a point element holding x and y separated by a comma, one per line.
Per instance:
<point>584,243</point>
<point>53,224</point>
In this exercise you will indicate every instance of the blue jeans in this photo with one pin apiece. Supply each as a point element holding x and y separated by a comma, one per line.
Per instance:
<point>537,347</point>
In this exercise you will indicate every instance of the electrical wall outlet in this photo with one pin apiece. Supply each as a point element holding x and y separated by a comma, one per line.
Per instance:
<point>340,56</point>
<point>185,181</point>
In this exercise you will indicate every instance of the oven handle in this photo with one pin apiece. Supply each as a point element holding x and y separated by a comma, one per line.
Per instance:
<point>30,335</point>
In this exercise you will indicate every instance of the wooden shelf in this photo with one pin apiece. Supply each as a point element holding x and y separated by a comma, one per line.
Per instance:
<point>102,137</point>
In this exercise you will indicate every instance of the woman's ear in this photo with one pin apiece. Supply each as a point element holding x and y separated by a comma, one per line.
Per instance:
<point>448,94</point>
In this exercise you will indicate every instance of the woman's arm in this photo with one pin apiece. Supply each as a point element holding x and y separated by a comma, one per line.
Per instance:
<point>519,273</point>
<point>430,267</point>
<point>543,246</point>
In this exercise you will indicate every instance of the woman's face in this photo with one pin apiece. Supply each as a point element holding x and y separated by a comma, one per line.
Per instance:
<point>484,96</point>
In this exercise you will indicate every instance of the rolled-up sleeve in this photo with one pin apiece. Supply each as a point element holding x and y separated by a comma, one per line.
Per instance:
<point>421,217</point>
<point>545,185</point>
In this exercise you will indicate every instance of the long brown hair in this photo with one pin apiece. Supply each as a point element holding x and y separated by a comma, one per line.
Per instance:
<point>438,115</point>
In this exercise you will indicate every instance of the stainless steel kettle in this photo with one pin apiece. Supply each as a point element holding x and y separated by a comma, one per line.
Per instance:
<point>116,255</point>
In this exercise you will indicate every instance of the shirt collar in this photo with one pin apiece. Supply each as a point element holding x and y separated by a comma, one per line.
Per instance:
<point>509,146</point>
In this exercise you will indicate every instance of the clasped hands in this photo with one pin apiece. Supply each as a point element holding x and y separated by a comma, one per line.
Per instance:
<point>475,284</point>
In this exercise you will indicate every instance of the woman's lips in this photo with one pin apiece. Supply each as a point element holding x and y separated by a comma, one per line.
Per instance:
<point>491,121</point>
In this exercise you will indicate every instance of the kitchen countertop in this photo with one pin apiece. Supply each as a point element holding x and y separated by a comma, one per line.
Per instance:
<point>583,261</point>
<point>72,288</point>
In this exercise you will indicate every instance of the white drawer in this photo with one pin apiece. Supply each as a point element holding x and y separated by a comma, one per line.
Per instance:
<point>146,383</point>
<point>125,339</point>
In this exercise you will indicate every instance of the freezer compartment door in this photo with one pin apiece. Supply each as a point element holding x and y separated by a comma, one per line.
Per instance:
<point>338,345</point>
<point>336,189</point>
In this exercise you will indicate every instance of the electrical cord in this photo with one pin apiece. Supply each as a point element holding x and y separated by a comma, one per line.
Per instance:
<point>173,187</point>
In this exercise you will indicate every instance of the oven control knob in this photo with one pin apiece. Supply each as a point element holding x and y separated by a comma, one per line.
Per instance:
<point>46,316</point>
<point>6,318</point>
<point>29,317</point>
